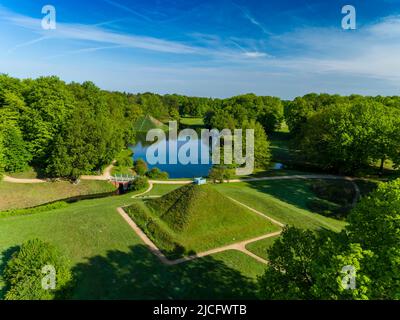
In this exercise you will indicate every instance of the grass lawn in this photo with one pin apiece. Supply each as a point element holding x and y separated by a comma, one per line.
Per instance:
<point>29,173</point>
<point>260,248</point>
<point>161,189</point>
<point>283,200</point>
<point>192,122</point>
<point>110,262</point>
<point>18,195</point>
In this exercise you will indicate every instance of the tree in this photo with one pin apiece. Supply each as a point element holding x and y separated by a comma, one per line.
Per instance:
<point>308,265</point>
<point>271,115</point>
<point>375,224</point>
<point>14,153</point>
<point>289,273</point>
<point>262,153</point>
<point>140,167</point>
<point>344,137</point>
<point>23,273</point>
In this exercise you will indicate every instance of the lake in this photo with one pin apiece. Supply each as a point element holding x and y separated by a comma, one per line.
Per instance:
<point>175,170</point>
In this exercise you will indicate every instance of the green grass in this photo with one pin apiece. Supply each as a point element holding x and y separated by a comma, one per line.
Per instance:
<point>192,122</point>
<point>283,200</point>
<point>161,189</point>
<point>29,173</point>
<point>147,122</point>
<point>198,218</point>
<point>18,195</point>
<point>110,262</point>
<point>260,247</point>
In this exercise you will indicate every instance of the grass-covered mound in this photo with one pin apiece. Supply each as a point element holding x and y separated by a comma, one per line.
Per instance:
<point>196,218</point>
<point>147,122</point>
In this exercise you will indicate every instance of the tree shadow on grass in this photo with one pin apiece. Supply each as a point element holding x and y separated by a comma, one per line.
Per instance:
<point>295,192</point>
<point>138,274</point>
<point>5,256</point>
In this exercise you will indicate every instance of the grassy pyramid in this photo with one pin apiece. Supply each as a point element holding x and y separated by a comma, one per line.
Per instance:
<point>196,218</point>
<point>147,122</point>
<point>185,208</point>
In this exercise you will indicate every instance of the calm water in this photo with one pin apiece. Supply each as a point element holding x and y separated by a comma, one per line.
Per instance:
<point>180,170</point>
<point>175,170</point>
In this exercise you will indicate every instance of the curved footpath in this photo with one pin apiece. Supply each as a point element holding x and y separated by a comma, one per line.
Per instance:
<point>107,175</point>
<point>239,246</point>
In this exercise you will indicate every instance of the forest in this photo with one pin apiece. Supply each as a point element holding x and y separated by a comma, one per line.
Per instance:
<point>69,129</point>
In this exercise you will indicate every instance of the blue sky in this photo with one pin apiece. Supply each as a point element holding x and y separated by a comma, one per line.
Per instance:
<point>215,48</point>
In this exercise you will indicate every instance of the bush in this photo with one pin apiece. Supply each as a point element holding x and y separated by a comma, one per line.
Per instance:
<point>139,183</point>
<point>46,207</point>
<point>124,159</point>
<point>219,174</point>
<point>140,167</point>
<point>156,173</point>
<point>23,274</point>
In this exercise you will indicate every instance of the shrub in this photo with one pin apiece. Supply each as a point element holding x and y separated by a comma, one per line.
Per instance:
<point>46,207</point>
<point>139,183</point>
<point>156,173</point>
<point>140,167</point>
<point>23,273</point>
<point>124,159</point>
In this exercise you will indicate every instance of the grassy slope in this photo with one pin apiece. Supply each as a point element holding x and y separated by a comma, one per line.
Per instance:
<point>260,247</point>
<point>212,220</point>
<point>110,262</point>
<point>15,195</point>
<point>160,189</point>
<point>282,200</point>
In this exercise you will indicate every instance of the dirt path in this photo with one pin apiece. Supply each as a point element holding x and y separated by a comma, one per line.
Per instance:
<point>104,177</point>
<point>18,180</point>
<point>144,192</point>
<point>239,246</point>
<point>293,177</point>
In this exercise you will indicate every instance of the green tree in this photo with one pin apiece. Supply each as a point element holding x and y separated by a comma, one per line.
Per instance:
<point>375,224</point>
<point>289,274</point>
<point>141,167</point>
<point>23,273</point>
<point>262,152</point>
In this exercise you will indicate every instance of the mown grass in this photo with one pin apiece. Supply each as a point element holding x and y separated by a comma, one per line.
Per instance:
<point>110,262</point>
<point>260,247</point>
<point>18,195</point>
<point>192,122</point>
<point>283,200</point>
<point>161,189</point>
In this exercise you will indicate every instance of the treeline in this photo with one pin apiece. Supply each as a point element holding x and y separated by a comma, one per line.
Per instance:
<point>345,134</point>
<point>65,130</point>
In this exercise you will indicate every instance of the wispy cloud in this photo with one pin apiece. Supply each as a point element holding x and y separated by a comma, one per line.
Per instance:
<point>129,10</point>
<point>112,39</point>
<point>246,13</point>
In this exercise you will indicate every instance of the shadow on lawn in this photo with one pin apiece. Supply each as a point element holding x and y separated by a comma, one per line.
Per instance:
<point>138,274</point>
<point>294,192</point>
